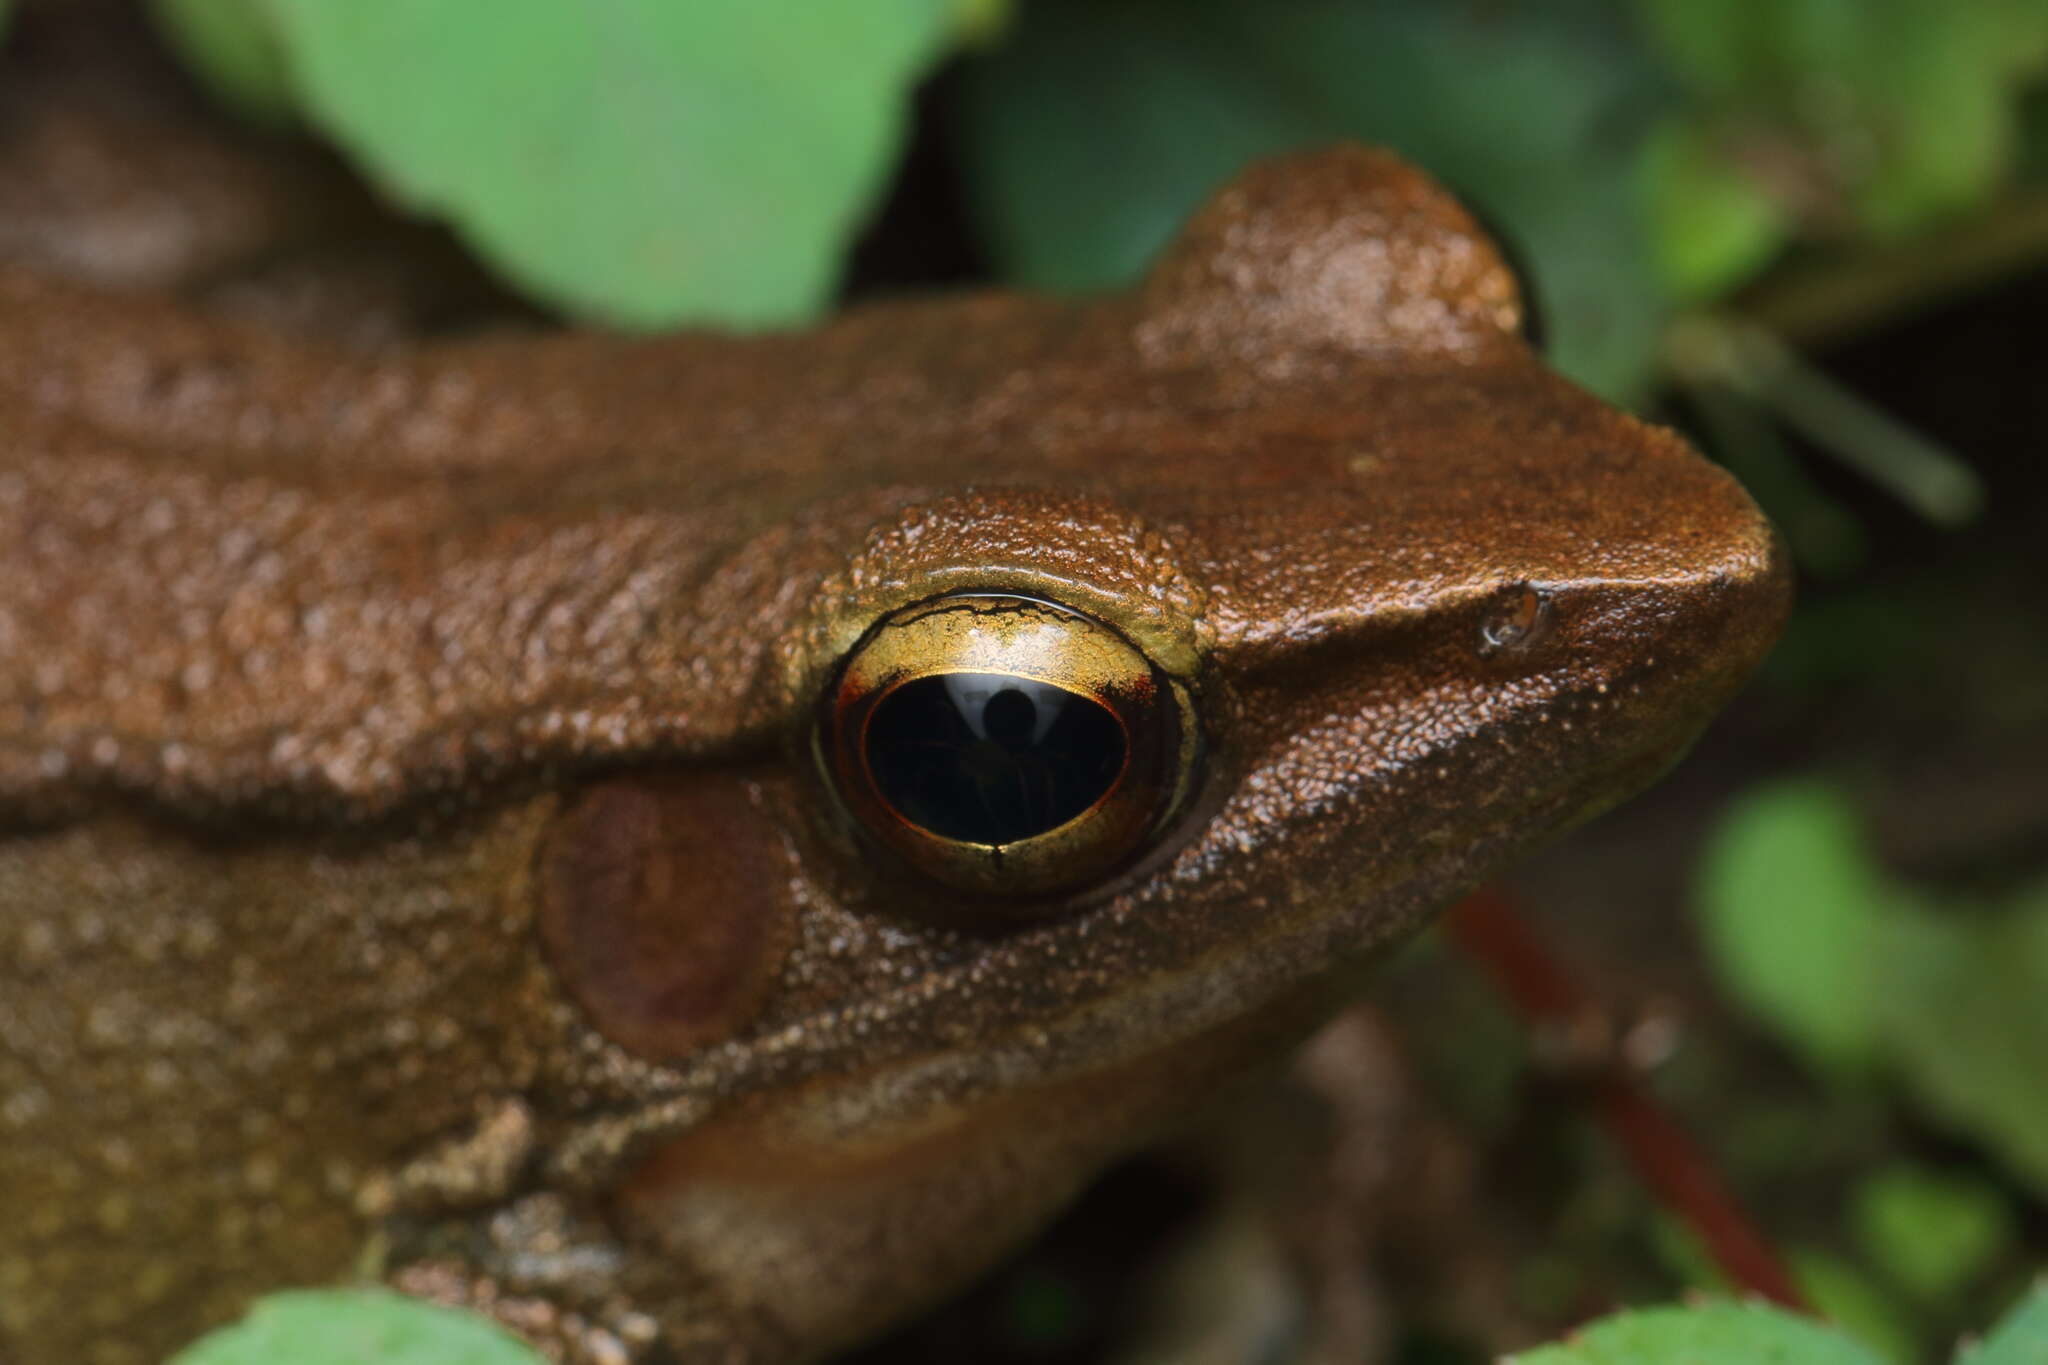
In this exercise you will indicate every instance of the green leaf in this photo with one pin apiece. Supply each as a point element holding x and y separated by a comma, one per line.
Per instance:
<point>1791,910</point>
<point>1711,226</point>
<point>1534,113</point>
<point>2021,1339</point>
<point>980,23</point>
<point>1716,46</point>
<point>233,47</point>
<point>1858,971</point>
<point>1847,1298</point>
<point>356,1327</point>
<point>1931,1231</point>
<point>1906,109</point>
<point>1934,99</point>
<point>1963,993</point>
<point>1717,1333</point>
<point>639,161</point>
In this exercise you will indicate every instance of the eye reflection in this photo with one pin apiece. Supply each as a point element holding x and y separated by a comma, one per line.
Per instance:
<point>991,758</point>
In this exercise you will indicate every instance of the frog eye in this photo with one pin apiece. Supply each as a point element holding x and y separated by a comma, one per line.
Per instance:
<point>1006,745</point>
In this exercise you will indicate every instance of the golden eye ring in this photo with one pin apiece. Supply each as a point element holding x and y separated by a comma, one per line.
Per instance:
<point>1006,745</point>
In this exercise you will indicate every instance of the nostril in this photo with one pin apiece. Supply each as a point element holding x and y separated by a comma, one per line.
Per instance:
<point>1515,619</point>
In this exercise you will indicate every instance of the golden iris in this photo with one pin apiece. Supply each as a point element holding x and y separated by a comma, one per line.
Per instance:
<point>1006,744</point>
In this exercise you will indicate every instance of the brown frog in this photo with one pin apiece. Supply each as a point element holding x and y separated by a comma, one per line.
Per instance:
<point>694,845</point>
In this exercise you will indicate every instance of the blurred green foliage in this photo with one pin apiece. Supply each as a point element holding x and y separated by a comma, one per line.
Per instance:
<point>1966,1023</point>
<point>1791,913</point>
<point>1713,1332</point>
<point>1930,1231</point>
<point>1865,974</point>
<point>356,1327</point>
<point>234,48</point>
<point>1712,225</point>
<point>642,162</point>
<point>1722,1333</point>
<point>1525,109</point>
<point>1881,114</point>
<point>1870,1295</point>
<point>669,164</point>
<point>1925,998</point>
<point>1854,1302</point>
<point>2021,1339</point>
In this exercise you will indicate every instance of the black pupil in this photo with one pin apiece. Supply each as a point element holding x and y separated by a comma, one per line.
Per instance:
<point>989,758</point>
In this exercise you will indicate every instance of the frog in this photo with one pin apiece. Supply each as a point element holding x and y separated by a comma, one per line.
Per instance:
<point>692,846</point>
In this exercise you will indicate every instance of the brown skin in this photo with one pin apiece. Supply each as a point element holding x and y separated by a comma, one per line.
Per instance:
<point>410,844</point>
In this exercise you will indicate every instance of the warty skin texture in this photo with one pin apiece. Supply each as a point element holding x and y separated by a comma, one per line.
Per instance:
<point>318,668</point>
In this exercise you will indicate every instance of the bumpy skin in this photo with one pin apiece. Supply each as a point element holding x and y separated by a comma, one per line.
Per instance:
<point>334,687</point>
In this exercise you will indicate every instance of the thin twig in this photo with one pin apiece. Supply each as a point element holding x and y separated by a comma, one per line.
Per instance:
<point>1543,990</point>
<point>1709,350</point>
